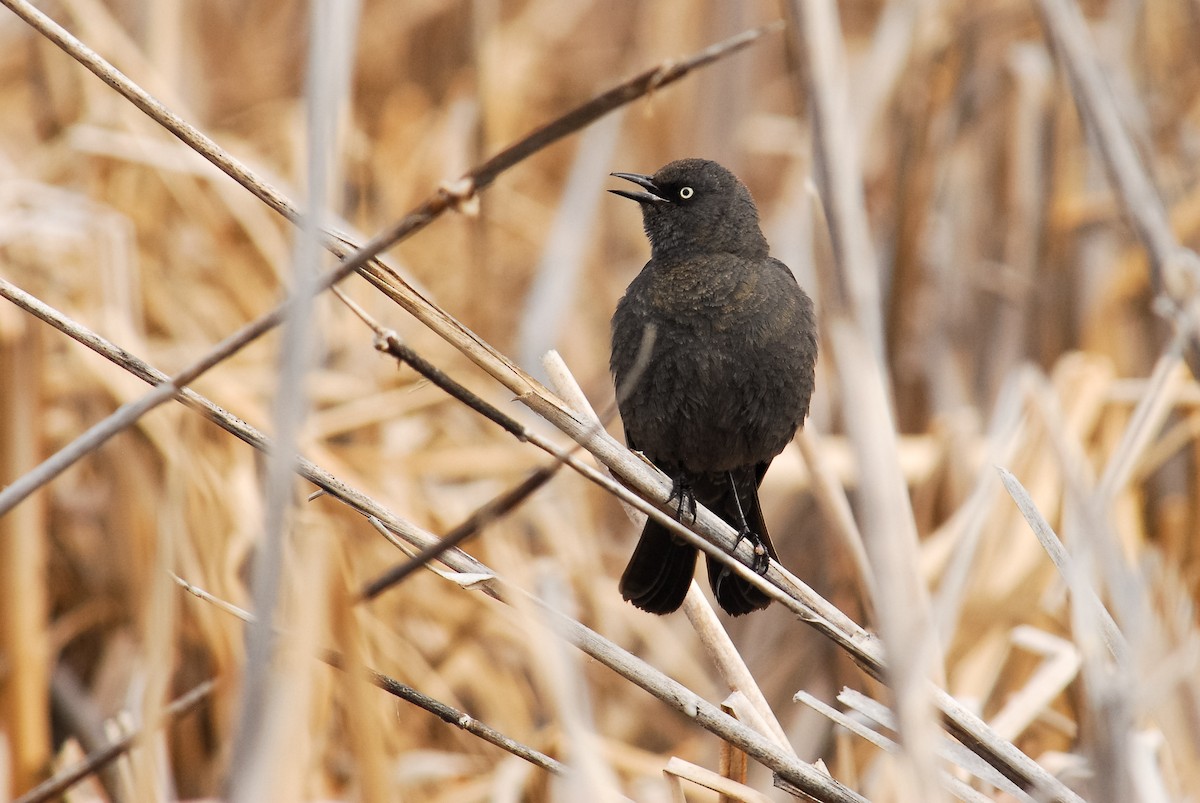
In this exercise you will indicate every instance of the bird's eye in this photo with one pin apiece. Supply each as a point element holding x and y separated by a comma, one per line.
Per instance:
<point>686,193</point>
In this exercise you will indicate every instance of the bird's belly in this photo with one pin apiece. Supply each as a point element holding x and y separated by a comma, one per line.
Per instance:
<point>702,410</point>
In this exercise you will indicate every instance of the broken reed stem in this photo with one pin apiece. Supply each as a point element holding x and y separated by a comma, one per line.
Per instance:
<point>1113,638</point>
<point>496,508</point>
<point>390,343</point>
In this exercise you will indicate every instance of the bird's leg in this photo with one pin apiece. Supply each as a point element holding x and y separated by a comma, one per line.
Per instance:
<point>682,491</point>
<point>762,561</point>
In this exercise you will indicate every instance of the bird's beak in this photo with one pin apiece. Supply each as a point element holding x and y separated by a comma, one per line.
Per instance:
<point>651,197</point>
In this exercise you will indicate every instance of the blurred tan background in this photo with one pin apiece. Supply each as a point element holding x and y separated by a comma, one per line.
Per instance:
<point>1006,267</point>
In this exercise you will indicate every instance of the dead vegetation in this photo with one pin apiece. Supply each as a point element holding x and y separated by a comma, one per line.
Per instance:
<point>970,209</point>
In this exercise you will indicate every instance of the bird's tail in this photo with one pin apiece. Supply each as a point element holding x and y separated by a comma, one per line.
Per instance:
<point>735,594</point>
<point>659,572</point>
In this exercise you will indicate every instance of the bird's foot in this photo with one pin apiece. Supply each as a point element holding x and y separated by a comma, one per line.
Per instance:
<point>686,496</point>
<point>761,560</point>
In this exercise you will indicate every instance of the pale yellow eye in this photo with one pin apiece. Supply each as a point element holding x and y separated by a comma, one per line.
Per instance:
<point>686,193</point>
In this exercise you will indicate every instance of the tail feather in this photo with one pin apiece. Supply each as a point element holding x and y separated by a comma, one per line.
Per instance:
<point>661,567</point>
<point>659,571</point>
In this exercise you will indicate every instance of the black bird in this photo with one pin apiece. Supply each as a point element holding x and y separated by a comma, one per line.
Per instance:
<point>714,348</point>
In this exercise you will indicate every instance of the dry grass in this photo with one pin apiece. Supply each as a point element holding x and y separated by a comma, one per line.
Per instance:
<point>1022,317</point>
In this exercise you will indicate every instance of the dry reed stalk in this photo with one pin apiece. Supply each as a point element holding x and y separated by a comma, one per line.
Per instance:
<point>1175,271</point>
<point>999,601</point>
<point>23,603</point>
<point>856,343</point>
<point>278,678</point>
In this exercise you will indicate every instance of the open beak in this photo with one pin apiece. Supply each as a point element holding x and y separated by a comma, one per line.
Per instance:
<point>651,197</point>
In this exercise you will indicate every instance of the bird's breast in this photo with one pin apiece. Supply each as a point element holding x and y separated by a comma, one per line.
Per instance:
<point>725,378</point>
<point>702,295</point>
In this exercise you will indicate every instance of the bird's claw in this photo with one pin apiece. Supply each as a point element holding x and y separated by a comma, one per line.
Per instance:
<point>761,560</point>
<point>683,493</point>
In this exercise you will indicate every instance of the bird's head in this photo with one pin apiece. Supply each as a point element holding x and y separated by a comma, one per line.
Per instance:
<point>696,206</point>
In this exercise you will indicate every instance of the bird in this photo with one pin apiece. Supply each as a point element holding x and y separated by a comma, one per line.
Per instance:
<point>714,350</point>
